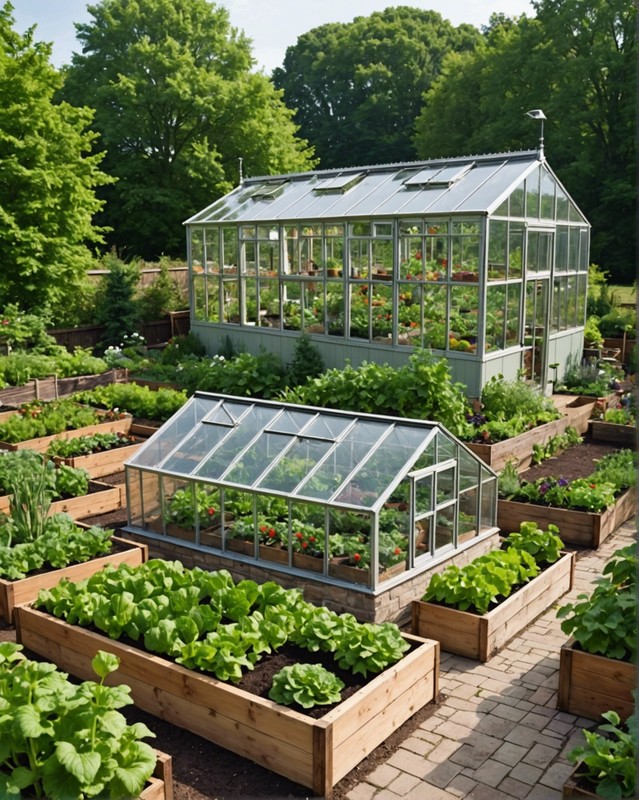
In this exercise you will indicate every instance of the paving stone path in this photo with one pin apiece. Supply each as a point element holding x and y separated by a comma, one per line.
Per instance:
<point>498,734</point>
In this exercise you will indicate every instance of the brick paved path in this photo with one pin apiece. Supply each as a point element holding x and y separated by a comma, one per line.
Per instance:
<point>498,734</point>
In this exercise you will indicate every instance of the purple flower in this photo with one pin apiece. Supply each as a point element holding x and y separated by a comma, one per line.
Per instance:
<point>544,488</point>
<point>562,482</point>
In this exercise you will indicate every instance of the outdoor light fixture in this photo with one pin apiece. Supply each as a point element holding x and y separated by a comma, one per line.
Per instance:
<point>537,113</point>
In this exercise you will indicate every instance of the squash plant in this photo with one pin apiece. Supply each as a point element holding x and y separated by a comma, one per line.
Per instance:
<point>60,740</point>
<point>205,621</point>
<point>605,622</point>
<point>608,759</point>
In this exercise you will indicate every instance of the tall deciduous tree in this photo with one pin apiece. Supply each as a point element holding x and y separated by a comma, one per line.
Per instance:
<point>47,179</point>
<point>357,87</point>
<point>577,61</point>
<point>176,107</point>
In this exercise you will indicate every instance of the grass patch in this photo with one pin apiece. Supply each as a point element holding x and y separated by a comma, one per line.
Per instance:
<point>624,294</point>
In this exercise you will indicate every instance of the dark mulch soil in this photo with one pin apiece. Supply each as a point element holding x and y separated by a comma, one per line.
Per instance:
<point>204,771</point>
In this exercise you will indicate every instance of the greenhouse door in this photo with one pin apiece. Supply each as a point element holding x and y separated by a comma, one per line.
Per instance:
<point>539,253</point>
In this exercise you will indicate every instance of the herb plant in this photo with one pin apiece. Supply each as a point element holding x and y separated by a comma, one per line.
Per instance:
<point>608,759</point>
<point>307,685</point>
<point>60,740</point>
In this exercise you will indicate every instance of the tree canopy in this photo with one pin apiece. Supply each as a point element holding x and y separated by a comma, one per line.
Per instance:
<point>48,178</point>
<point>176,106</point>
<point>357,87</point>
<point>576,61</point>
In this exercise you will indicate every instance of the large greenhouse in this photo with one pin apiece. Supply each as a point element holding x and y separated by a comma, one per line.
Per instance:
<point>352,499</point>
<point>483,259</point>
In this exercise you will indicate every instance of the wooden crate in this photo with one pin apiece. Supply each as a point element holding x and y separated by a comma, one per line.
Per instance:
<point>314,753</point>
<point>101,499</point>
<point>13,593</point>
<point>581,528</point>
<point>41,445</point>
<point>590,685</point>
<point>106,462</point>
<point>480,637</point>
<point>624,435</point>
<point>520,448</point>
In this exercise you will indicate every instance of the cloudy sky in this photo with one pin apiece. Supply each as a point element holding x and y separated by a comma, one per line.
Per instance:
<point>273,25</point>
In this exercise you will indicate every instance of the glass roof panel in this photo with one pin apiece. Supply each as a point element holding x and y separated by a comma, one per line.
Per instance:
<point>328,427</point>
<point>257,459</point>
<point>468,470</point>
<point>227,412</point>
<point>291,421</point>
<point>231,447</point>
<point>292,467</point>
<point>194,448</point>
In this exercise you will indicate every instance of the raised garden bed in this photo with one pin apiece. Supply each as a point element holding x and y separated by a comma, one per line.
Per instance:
<point>480,636</point>
<point>624,435</point>
<point>41,444</point>
<point>101,499</point>
<point>160,785</point>
<point>574,787</point>
<point>590,685</point>
<point>54,388</point>
<point>13,593</point>
<point>313,752</point>
<point>520,448</point>
<point>581,528</point>
<point>106,462</point>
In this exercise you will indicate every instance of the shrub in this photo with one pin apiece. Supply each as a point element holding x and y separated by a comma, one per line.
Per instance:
<point>161,296</point>
<point>307,362</point>
<point>118,310</point>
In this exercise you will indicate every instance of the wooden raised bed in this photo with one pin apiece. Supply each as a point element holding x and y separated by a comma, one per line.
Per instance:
<point>13,593</point>
<point>101,499</point>
<point>54,388</point>
<point>520,448</point>
<point>572,787</point>
<point>314,753</point>
<point>625,435</point>
<point>41,445</point>
<point>160,784</point>
<point>582,528</point>
<point>481,636</point>
<point>106,462</point>
<point>590,685</point>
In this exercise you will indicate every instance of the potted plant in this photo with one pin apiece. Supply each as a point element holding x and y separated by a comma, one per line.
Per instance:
<point>474,610</point>
<point>596,669</point>
<point>606,765</point>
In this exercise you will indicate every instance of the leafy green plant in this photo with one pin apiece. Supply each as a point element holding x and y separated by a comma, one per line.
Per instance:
<point>60,740</point>
<point>608,759</point>
<point>185,503</point>
<point>41,418</point>
<point>307,685</point>
<point>85,445</point>
<point>139,401</point>
<point>179,612</point>
<point>619,416</point>
<point>307,361</point>
<point>485,580</point>
<point>543,545</point>
<point>605,622</point>
<point>555,445</point>
<point>509,481</point>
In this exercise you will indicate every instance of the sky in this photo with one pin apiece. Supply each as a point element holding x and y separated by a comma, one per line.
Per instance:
<point>272,25</point>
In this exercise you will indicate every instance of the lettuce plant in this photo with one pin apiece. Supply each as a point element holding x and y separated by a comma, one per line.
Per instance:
<point>307,685</point>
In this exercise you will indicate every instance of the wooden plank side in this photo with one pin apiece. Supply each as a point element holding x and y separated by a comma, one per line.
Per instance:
<point>591,684</point>
<point>13,593</point>
<point>41,444</point>
<point>610,432</point>
<point>456,632</point>
<point>100,464</point>
<point>400,708</point>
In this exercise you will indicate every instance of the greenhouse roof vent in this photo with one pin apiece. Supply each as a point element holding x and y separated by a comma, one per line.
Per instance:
<point>339,184</point>
<point>438,177</point>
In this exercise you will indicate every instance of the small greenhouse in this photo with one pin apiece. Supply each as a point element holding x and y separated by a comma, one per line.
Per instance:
<point>350,498</point>
<point>483,259</point>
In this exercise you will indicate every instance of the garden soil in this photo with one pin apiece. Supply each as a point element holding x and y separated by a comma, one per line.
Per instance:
<point>204,771</point>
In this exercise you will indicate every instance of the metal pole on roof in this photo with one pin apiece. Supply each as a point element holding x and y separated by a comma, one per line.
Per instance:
<point>537,113</point>
<point>241,175</point>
